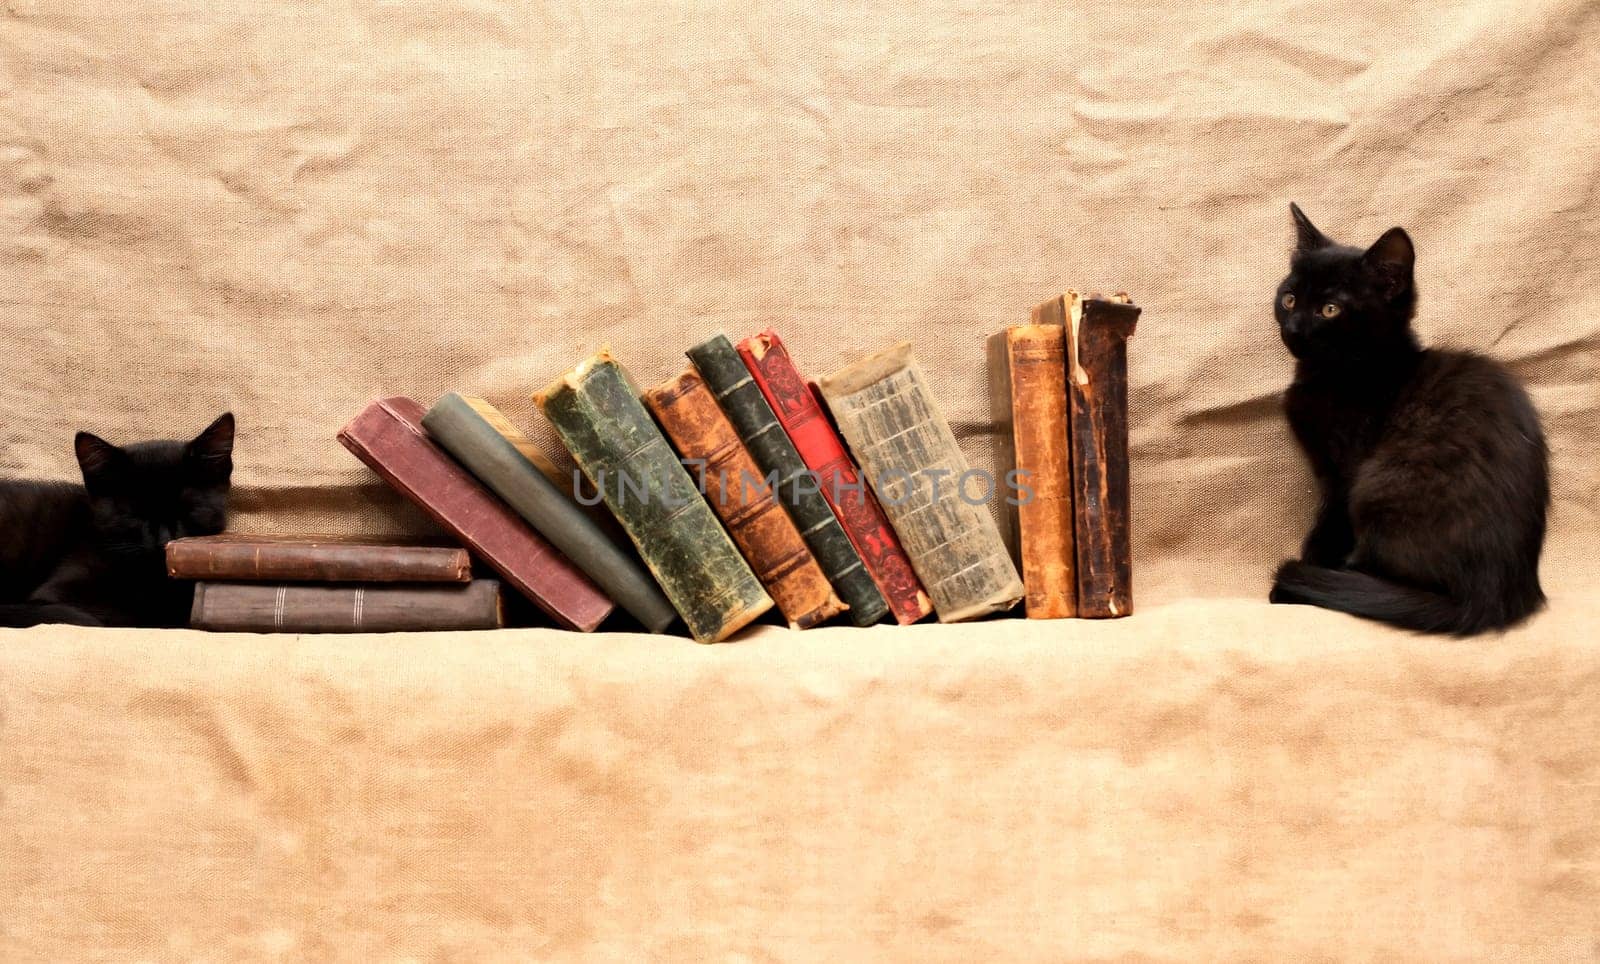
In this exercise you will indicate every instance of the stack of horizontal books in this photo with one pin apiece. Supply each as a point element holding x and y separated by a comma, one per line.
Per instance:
<point>312,584</point>
<point>739,488</point>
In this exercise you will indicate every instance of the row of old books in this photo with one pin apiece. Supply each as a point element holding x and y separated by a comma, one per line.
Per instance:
<point>734,489</point>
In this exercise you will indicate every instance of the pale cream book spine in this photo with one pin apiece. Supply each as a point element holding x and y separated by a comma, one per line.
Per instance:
<point>937,506</point>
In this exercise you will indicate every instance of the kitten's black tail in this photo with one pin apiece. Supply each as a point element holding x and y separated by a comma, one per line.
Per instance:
<point>1369,597</point>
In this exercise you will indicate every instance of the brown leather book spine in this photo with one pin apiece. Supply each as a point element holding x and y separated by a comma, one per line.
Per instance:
<point>299,608</point>
<point>733,484</point>
<point>310,559</point>
<point>1097,389</point>
<point>1028,365</point>
<point>388,436</point>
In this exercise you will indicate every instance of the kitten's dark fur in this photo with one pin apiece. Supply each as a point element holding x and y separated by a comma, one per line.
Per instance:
<point>95,554</point>
<point>1432,465</point>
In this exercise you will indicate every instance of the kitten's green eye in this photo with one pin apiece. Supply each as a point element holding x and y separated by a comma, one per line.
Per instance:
<point>1288,302</point>
<point>1330,310</point>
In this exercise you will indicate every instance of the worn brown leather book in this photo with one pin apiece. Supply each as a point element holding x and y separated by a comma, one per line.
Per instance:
<point>730,480</point>
<point>1028,392</point>
<point>388,436</point>
<point>246,607</point>
<point>239,557</point>
<point>1097,389</point>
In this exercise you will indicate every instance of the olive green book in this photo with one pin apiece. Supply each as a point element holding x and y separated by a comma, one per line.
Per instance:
<point>596,411</point>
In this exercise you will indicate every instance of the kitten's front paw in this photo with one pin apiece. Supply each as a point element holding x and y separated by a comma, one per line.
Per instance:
<point>1281,580</point>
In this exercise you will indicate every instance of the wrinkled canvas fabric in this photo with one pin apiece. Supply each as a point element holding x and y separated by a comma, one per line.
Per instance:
<point>288,210</point>
<point>1228,782</point>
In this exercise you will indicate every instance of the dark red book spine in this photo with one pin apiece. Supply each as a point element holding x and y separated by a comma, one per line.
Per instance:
<point>823,452</point>
<point>388,436</point>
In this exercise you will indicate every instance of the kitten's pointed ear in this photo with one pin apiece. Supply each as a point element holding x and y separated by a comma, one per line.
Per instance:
<point>1391,260</point>
<point>100,461</point>
<point>212,450</point>
<point>1307,237</point>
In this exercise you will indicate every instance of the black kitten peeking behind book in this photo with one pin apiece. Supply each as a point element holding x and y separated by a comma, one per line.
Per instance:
<point>1432,465</point>
<point>95,554</point>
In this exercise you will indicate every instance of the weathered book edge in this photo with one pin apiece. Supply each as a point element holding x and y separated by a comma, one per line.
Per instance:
<point>719,364</point>
<point>838,388</point>
<point>1097,385</point>
<point>733,485</point>
<point>1028,368</point>
<point>997,356</point>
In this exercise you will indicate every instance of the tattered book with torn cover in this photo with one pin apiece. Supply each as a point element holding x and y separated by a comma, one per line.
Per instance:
<point>1097,333</point>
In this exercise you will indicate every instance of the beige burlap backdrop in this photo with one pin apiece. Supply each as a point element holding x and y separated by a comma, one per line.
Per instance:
<point>289,209</point>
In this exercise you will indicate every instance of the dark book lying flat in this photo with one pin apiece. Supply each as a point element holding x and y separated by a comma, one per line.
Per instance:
<point>245,607</point>
<point>246,558</point>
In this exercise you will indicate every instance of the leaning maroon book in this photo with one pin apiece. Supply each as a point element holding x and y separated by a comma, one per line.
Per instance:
<point>388,436</point>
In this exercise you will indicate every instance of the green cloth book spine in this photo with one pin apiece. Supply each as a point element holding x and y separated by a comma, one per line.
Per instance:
<point>740,397</point>
<point>482,440</point>
<point>596,410</point>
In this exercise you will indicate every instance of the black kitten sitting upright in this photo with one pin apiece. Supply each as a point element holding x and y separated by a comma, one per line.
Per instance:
<point>1431,463</point>
<point>96,554</point>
